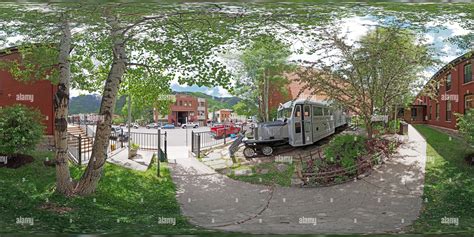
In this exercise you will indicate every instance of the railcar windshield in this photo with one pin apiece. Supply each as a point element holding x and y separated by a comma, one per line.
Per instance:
<point>283,114</point>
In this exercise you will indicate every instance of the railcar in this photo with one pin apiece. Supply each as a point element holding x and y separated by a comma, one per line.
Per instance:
<point>299,123</point>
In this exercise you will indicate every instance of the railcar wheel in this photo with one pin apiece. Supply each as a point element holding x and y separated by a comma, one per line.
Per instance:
<point>267,150</point>
<point>249,152</point>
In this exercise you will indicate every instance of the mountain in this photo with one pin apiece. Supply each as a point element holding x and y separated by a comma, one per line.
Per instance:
<point>214,101</point>
<point>86,104</point>
<point>91,103</point>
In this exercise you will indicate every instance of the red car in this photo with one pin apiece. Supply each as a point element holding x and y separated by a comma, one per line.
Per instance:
<point>220,129</point>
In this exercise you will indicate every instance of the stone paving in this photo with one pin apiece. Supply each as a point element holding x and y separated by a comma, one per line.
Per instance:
<point>386,201</point>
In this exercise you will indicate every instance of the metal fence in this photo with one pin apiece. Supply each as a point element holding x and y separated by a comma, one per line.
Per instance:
<point>200,140</point>
<point>80,147</point>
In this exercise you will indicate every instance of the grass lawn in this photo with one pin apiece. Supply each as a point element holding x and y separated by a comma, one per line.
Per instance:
<point>449,185</point>
<point>116,207</point>
<point>273,175</point>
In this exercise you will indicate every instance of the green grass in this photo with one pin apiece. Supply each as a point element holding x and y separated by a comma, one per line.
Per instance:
<point>449,185</point>
<point>273,175</point>
<point>25,190</point>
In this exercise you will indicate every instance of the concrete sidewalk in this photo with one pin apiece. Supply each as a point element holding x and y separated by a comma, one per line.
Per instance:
<point>386,201</point>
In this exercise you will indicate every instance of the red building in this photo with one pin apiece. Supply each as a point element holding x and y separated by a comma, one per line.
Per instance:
<point>186,108</point>
<point>37,94</point>
<point>454,86</point>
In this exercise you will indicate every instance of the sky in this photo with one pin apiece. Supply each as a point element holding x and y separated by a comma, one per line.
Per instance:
<point>354,28</point>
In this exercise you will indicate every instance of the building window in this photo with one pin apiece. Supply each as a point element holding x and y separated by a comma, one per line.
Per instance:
<point>180,103</point>
<point>448,110</point>
<point>468,102</point>
<point>467,73</point>
<point>413,113</point>
<point>448,82</point>
<point>437,111</point>
<point>429,112</point>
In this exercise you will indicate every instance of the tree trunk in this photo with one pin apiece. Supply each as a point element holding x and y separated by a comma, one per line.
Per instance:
<point>61,103</point>
<point>88,183</point>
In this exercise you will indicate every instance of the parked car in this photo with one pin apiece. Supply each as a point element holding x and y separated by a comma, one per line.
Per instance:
<point>168,126</point>
<point>152,125</point>
<point>190,125</point>
<point>134,125</point>
<point>116,129</point>
<point>221,130</point>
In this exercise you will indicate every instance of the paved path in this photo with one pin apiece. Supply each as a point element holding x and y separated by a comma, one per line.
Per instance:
<point>386,201</point>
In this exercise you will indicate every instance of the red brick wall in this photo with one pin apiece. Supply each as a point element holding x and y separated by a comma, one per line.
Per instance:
<point>458,89</point>
<point>42,92</point>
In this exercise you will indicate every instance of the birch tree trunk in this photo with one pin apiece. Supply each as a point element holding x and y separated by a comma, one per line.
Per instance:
<point>61,104</point>
<point>88,182</point>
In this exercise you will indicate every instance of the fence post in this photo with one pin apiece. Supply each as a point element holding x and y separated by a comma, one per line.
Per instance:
<point>80,150</point>
<point>199,145</point>
<point>166,144</point>
<point>192,141</point>
<point>158,154</point>
<point>121,140</point>
<point>225,134</point>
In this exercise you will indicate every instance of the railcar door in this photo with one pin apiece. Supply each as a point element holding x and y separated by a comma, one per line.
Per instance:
<point>308,136</point>
<point>298,131</point>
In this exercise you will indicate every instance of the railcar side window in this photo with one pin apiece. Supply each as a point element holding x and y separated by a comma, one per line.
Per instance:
<point>306,111</point>
<point>327,111</point>
<point>298,111</point>
<point>317,111</point>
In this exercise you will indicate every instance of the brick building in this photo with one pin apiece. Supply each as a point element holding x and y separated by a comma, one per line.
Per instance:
<point>186,108</point>
<point>454,85</point>
<point>36,94</point>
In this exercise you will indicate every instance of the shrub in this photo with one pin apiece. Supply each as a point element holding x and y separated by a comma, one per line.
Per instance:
<point>345,149</point>
<point>20,129</point>
<point>465,124</point>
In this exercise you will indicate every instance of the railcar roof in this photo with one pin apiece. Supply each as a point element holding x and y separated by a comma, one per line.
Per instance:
<point>290,103</point>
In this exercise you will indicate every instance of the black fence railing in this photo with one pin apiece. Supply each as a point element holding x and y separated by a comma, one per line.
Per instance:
<point>80,148</point>
<point>200,140</point>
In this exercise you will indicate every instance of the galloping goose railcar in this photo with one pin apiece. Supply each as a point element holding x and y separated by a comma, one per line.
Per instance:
<point>299,123</point>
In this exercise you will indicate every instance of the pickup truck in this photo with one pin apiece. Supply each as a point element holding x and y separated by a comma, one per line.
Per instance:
<point>221,130</point>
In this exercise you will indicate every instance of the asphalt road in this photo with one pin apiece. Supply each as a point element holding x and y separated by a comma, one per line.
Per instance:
<point>175,137</point>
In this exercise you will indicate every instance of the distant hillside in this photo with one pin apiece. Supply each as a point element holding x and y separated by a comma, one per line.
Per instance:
<point>91,103</point>
<point>217,102</point>
<point>85,104</point>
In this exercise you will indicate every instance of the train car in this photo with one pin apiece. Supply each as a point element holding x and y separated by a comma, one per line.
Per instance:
<point>299,123</point>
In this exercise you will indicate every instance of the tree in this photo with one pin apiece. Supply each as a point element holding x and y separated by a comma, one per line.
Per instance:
<point>161,42</point>
<point>265,62</point>
<point>245,107</point>
<point>370,76</point>
<point>21,129</point>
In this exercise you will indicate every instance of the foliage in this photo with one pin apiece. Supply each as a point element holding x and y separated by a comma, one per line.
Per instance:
<point>135,146</point>
<point>361,75</point>
<point>21,129</point>
<point>264,62</point>
<point>345,149</point>
<point>273,176</point>
<point>245,107</point>
<point>448,187</point>
<point>465,124</point>
<point>127,202</point>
